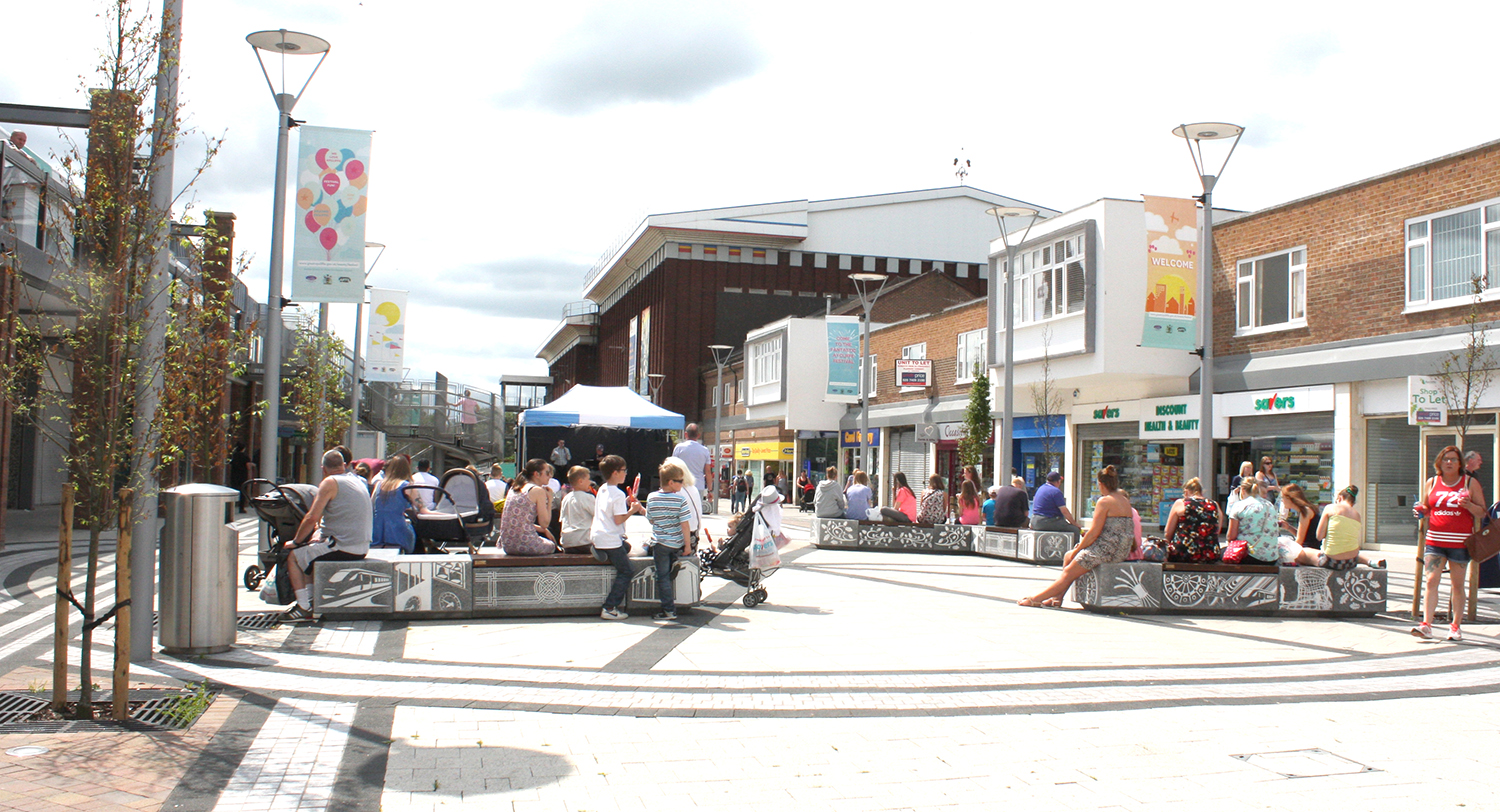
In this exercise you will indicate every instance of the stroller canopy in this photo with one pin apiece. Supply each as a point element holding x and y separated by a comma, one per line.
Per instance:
<point>613,406</point>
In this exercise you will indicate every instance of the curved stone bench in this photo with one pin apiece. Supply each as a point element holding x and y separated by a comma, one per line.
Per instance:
<point>1015,544</point>
<point>1139,587</point>
<point>484,585</point>
<point>1024,544</point>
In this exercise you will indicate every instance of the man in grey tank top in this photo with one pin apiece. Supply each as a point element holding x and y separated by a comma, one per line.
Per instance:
<point>336,528</point>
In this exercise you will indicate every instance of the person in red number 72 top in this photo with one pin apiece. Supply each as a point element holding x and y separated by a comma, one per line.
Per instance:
<point>1452,501</point>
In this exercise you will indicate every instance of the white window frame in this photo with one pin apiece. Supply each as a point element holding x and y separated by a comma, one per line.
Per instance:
<point>914,351</point>
<point>874,374</point>
<point>965,340</point>
<point>739,391</point>
<point>765,361</point>
<point>715,398</point>
<point>1247,287</point>
<point>1417,241</point>
<point>1049,261</point>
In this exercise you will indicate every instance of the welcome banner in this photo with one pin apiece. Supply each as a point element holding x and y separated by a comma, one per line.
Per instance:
<point>1171,274</point>
<point>385,347</point>
<point>843,359</point>
<point>328,251</point>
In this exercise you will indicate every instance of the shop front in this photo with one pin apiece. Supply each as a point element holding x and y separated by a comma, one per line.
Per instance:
<point>849,446</point>
<point>819,450</point>
<point>1149,442</point>
<point>765,457</point>
<point>1294,426</point>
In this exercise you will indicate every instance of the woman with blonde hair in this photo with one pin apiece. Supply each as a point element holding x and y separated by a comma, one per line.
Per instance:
<point>1110,536</point>
<point>858,497</point>
<point>1192,530</point>
<point>1252,520</point>
<point>391,501</point>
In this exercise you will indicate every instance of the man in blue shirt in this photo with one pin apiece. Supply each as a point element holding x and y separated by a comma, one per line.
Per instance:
<point>1049,509</point>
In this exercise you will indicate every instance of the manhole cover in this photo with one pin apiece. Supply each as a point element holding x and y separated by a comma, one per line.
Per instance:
<point>1311,763</point>
<point>262,621</point>
<point>28,750</point>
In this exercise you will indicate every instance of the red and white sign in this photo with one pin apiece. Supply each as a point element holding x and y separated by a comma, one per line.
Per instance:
<point>913,373</point>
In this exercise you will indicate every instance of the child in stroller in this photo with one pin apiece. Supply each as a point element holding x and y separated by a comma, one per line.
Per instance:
<point>282,507</point>
<point>731,559</point>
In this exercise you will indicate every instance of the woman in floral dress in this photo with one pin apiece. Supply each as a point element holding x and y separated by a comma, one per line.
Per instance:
<point>1192,530</point>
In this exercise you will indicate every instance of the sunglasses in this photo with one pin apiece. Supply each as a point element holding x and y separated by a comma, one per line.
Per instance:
<point>674,480</point>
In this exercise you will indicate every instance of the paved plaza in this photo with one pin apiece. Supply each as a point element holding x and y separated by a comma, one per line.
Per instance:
<point>869,681</point>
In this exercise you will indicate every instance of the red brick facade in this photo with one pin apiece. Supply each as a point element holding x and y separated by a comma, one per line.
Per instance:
<point>1356,264</point>
<point>940,330</point>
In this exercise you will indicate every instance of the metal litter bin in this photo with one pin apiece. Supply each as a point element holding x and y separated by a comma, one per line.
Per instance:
<point>199,556</point>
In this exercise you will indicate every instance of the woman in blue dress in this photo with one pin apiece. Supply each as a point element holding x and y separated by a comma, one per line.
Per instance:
<point>391,501</point>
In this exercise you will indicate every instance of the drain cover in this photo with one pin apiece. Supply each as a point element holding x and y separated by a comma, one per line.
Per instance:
<point>1311,763</point>
<point>261,621</point>
<point>28,750</point>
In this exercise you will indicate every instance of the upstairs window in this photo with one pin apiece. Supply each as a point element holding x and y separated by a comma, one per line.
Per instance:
<point>1446,253</point>
<point>1271,291</point>
<point>1050,280</point>
<point>765,362</point>
<point>971,346</point>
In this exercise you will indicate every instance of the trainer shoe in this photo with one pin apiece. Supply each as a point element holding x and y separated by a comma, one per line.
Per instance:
<point>1454,634</point>
<point>1422,630</point>
<point>611,613</point>
<point>297,613</point>
<point>664,616</point>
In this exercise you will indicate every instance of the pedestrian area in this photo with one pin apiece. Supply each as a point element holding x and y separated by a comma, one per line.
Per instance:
<point>868,681</point>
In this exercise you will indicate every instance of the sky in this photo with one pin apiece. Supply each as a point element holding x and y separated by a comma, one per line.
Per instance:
<point>515,143</point>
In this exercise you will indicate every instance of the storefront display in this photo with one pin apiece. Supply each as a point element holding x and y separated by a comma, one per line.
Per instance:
<point>1150,473</point>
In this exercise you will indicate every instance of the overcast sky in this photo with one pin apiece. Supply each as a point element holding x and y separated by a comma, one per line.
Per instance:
<point>516,142</point>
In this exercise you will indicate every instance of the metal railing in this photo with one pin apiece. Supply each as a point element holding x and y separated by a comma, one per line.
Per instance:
<point>35,205</point>
<point>457,416</point>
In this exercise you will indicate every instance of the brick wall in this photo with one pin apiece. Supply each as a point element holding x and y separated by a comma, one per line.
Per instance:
<point>1356,266</point>
<point>940,331</point>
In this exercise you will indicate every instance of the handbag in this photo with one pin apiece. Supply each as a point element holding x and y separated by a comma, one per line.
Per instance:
<point>1236,551</point>
<point>763,552</point>
<point>1485,544</point>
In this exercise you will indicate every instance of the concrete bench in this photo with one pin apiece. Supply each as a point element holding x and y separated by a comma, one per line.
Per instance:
<point>485,585</point>
<point>849,534</point>
<point>1139,587</point>
<point>1024,544</point>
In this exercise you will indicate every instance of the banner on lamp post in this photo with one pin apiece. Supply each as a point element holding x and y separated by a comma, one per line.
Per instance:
<point>328,251</point>
<point>843,359</point>
<point>1171,274</point>
<point>385,347</point>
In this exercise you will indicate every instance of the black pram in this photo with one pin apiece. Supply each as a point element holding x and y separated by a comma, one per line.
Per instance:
<point>282,507</point>
<point>732,561</point>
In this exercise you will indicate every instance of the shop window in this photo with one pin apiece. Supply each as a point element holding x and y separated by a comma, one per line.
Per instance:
<point>1447,253</point>
<point>971,347</point>
<point>1150,472</point>
<point>1050,280</point>
<point>1271,291</point>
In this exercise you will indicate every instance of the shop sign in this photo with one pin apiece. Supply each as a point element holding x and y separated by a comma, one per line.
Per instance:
<point>726,452</point>
<point>1290,400</point>
<point>1178,418</point>
<point>1106,412</point>
<point>849,438</point>
<point>913,372</point>
<point>771,450</point>
<point>1426,404</point>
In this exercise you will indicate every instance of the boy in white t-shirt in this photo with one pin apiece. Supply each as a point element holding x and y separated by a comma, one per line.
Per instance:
<point>611,508</point>
<point>577,512</point>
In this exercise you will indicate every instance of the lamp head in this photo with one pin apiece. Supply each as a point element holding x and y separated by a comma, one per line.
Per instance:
<point>1207,131</point>
<point>1011,211</point>
<point>867,277</point>
<point>288,43</point>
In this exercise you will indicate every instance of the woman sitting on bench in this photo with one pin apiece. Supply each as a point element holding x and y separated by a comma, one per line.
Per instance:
<point>528,511</point>
<point>1253,520</point>
<point>1110,536</point>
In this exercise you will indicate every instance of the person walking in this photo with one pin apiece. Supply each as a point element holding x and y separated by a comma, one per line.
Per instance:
<point>1452,502</point>
<point>693,453</point>
<point>740,497</point>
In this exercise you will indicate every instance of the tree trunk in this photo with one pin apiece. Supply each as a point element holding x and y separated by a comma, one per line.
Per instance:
<point>64,610</point>
<point>85,708</point>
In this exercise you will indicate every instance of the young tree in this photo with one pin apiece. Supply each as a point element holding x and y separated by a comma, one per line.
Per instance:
<point>1046,402</point>
<point>1465,375</point>
<point>316,392</point>
<point>979,426</point>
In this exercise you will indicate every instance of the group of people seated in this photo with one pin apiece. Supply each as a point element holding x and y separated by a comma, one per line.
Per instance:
<point>935,505</point>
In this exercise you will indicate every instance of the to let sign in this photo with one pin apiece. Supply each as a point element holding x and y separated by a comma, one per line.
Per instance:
<point>1426,405</point>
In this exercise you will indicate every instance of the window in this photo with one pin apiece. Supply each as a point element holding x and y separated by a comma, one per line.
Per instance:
<point>1050,280</point>
<point>971,347</point>
<point>765,362</point>
<point>1271,291</point>
<point>715,396</point>
<point>1447,253</point>
<point>740,391</point>
<point>914,351</point>
<point>874,373</point>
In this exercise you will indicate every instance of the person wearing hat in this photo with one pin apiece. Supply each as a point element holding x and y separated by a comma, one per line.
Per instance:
<point>1049,508</point>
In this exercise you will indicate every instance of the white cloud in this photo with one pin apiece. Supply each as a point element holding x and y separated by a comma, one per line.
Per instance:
<point>1165,245</point>
<point>1187,234</point>
<point>1155,224</point>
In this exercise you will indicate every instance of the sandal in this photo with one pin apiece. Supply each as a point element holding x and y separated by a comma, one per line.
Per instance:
<point>1029,602</point>
<point>1053,603</point>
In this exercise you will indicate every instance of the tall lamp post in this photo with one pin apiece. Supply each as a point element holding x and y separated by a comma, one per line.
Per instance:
<point>654,381</point>
<point>1008,409</point>
<point>862,282</point>
<point>283,43</point>
<point>359,320</point>
<point>721,358</point>
<point>1195,135</point>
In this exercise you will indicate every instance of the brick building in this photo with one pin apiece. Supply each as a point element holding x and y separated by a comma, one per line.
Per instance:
<point>686,280</point>
<point>1325,305</point>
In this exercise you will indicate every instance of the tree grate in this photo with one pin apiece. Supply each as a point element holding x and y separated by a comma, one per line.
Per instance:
<point>151,712</point>
<point>15,707</point>
<point>260,621</point>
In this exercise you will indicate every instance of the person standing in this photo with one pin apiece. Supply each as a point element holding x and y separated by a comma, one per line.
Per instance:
<point>611,508</point>
<point>561,456</point>
<point>1452,502</point>
<point>337,527</point>
<point>424,476</point>
<point>670,513</point>
<point>239,471</point>
<point>740,497</point>
<point>1049,508</point>
<point>696,457</point>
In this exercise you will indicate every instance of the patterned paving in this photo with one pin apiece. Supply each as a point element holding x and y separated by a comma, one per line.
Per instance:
<point>292,765</point>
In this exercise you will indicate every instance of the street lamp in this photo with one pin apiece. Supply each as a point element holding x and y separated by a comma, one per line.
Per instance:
<point>721,357</point>
<point>1195,135</point>
<point>861,283</point>
<point>284,43</point>
<point>653,381</point>
<point>359,319</point>
<point>1008,410</point>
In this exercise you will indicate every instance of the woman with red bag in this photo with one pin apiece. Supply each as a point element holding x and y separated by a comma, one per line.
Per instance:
<point>1452,501</point>
<point>1252,520</point>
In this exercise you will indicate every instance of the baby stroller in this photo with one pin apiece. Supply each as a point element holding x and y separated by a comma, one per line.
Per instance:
<point>282,507</point>
<point>732,562</point>
<point>465,516</point>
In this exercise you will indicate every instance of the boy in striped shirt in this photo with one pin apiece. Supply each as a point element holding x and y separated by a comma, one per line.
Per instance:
<point>668,511</point>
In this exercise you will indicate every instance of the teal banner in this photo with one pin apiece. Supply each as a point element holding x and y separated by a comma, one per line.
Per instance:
<point>843,359</point>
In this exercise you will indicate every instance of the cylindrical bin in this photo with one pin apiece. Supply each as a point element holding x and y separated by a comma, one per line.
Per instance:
<point>199,555</point>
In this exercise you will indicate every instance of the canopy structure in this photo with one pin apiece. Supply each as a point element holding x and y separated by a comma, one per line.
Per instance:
<point>610,406</point>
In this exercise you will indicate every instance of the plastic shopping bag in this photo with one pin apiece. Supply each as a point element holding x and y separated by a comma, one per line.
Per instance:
<point>763,553</point>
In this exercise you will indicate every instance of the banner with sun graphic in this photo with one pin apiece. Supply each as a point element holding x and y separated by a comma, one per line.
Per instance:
<point>387,335</point>
<point>328,251</point>
<point>1171,274</point>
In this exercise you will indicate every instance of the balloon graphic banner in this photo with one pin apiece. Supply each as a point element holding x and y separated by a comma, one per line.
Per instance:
<point>328,251</point>
<point>1171,274</point>
<point>384,348</point>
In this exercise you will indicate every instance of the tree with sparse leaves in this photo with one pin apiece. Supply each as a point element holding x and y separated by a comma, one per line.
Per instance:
<point>1047,402</point>
<point>1465,375</point>
<point>316,392</point>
